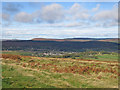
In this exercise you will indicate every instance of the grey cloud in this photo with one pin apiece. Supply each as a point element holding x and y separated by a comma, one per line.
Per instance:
<point>10,7</point>
<point>77,24</point>
<point>98,25</point>
<point>110,24</point>
<point>5,16</point>
<point>107,15</point>
<point>78,12</point>
<point>23,17</point>
<point>8,11</point>
<point>107,18</point>
<point>52,13</point>
<point>73,24</point>
<point>75,8</point>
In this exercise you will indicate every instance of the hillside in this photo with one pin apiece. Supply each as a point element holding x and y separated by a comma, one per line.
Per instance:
<point>78,39</point>
<point>66,46</point>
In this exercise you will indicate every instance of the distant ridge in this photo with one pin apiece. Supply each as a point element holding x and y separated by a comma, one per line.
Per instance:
<point>78,39</point>
<point>9,39</point>
<point>61,45</point>
<point>92,38</point>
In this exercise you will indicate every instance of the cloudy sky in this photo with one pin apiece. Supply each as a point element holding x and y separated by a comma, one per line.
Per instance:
<point>27,20</point>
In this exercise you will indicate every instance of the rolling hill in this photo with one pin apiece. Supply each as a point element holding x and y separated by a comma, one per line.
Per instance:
<point>78,39</point>
<point>66,45</point>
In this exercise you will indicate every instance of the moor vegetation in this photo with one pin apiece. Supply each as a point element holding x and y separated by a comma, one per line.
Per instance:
<point>19,71</point>
<point>93,55</point>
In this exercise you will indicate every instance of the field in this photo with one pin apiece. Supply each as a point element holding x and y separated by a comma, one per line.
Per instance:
<point>41,72</point>
<point>93,55</point>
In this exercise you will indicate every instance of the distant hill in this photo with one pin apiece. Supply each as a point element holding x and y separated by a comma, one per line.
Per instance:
<point>66,46</point>
<point>92,38</point>
<point>78,39</point>
<point>9,39</point>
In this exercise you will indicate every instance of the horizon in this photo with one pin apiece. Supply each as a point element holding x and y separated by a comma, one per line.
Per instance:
<point>59,20</point>
<point>60,38</point>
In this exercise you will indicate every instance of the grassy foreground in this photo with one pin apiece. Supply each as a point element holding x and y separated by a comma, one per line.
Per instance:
<point>40,72</point>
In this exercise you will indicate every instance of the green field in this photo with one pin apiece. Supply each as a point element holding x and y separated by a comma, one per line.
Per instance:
<point>101,56</point>
<point>41,72</point>
<point>18,53</point>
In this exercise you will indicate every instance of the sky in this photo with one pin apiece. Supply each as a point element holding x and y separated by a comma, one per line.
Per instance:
<point>27,20</point>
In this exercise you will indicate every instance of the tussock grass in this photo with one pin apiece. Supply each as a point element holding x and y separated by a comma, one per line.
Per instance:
<point>36,72</point>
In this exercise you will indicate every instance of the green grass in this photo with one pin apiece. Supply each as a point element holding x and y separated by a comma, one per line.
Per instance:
<point>16,76</point>
<point>106,57</point>
<point>102,57</point>
<point>18,53</point>
<point>52,80</point>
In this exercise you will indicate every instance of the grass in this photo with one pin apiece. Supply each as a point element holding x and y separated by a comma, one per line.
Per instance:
<point>101,57</point>
<point>106,57</point>
<point>41,72</point>
<point>18,53</point>
<point>20,78</point>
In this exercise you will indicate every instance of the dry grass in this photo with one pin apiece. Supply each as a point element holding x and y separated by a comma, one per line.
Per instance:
<point>64,73</point>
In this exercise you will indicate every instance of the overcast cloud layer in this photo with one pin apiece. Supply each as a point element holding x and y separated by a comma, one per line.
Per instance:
<point>56,20</point>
